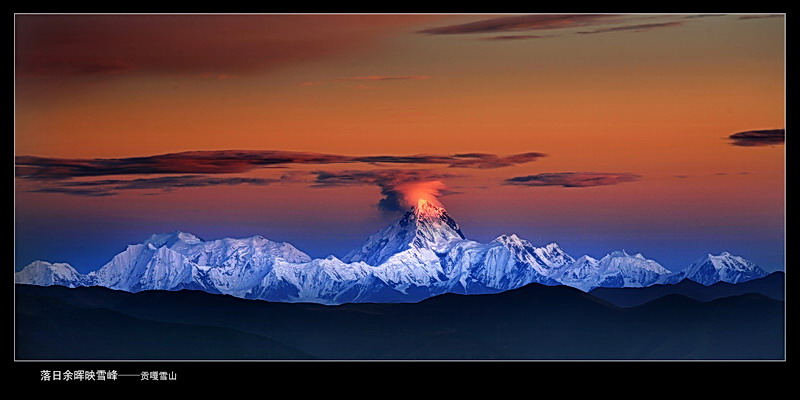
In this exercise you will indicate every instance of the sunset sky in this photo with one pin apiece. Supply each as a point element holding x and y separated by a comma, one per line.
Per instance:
<point>597,132</point>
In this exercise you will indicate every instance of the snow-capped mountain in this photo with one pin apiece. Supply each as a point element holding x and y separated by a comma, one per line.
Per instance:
<point>425,226</point>
<point>422,254</point>
<point>545,260</point>
<point>723,268</point>
<point>179,260</point>
<point>617,269</point>
<point>43,273</point>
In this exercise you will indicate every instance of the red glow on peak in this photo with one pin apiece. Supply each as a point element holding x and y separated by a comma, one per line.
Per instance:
<point>422,195</point>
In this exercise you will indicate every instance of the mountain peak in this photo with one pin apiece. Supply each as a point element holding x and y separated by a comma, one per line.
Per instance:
<point>725,267</point>
<point>44,273</point>
<point>424,226</point>
<point>717,257</point>
<point>425,209</point>
<point>169,239</point>
<point>431,223</point>
<point>619,253</point>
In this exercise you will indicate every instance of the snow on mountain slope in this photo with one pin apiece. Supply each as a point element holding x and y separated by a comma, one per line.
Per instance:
<point>43,273</point>
<point>239,264</point>
<point>318,280</point>
<point>725,267</point>
<point>422,254</point>
<point>545,260</point>
<point>481,268</point>
<point>581,274</point>
<point>617,269</point>
<point>425,226</point>
<point>181,260</point>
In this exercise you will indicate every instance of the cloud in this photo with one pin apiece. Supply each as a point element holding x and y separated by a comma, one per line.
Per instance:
<point>87,67</point>
<point>635,28</point>
<point>367,87</point>
<point>191,162</point>
<point>466,160</point>
<point>219,77</point>
<point>238,161</point>
<point>704,16</point>
<point>387,78</point>
<point>92,192</point>
<point>520,23</point>
<point>760,16</point>
<point>573,179</point>
<point>767,137</point>
<point>110,187</point>
<point>372,78</point>
<point>731,173</point>
<point>518,37</point>
<point>219,45</point>
<point>397,186</point>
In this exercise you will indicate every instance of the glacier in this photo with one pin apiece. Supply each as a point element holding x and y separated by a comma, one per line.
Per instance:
<point>422,254</point>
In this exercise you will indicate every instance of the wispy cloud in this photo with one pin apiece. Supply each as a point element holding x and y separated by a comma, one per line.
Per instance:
<point>634,28</point>
<point>464,160</point>
<point>197,169</point>
<point>189,45</point>
<point>703,16</point>
<point>191,162</point>
<point>309,84</point>
<point>518,37</point>
<point>77,68</point>
<point>110,187</point>
<point>367,78</point>
<point>767,137</point>
<point>520,23</point>
<point>602,23</point>
<point>220,77</point>
<point>573,179</point>
<point>238,161</point>
<point>387,78</point>
<point>761,16</point>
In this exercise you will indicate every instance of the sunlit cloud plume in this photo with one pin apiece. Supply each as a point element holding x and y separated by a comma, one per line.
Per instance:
<point>400,188</point>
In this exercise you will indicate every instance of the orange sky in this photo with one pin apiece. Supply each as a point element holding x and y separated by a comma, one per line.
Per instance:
<point>652,95</point>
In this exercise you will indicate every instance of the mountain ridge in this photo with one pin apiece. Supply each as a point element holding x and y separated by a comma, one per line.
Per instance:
<point>420,255</point>
<point>532,322</point>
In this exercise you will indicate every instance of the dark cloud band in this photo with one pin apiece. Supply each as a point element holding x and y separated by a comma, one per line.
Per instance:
<point>238,161</point>
<point>767,137</point>
<point>519,23</point>
<point>110,187</point>
<point>387,78</point>
<point>573,179</point>
<point>518,37</point>
<point>634,28</point>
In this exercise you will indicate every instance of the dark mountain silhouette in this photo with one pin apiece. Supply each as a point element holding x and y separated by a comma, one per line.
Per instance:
<point>532,322</point>
<point>772,286</point>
